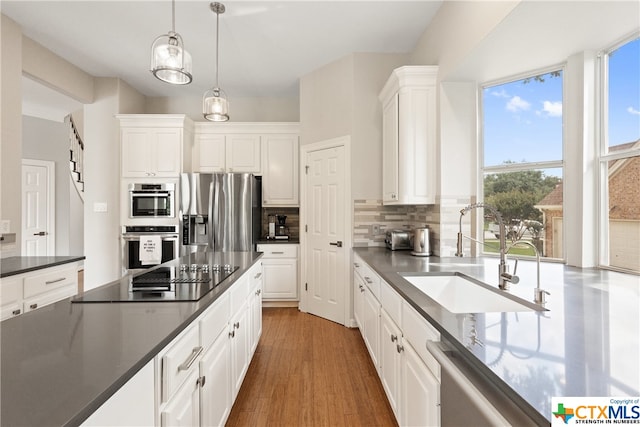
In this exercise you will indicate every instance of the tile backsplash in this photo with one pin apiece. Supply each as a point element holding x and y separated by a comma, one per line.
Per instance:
<point>293,221</point>
<point>371,220</point>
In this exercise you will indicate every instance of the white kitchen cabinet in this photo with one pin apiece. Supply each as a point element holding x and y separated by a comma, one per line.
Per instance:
<point>216,394</point>
<point>371,320</point>
<point>279,271</point>
<point>255,305</point>
<point>209,153</point>
<point>155,145</point>
<point>184,408</point>
<point>409,136</point>
<point>29,291</point>
<point>11,304</point>
<point>280,170</point>
<point>390,360</point>
<point>420,396</point>
<point>239,334</point>
<point>358,299</point>
<point>215,152</point>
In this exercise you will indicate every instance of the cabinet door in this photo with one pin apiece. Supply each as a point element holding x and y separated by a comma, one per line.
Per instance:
<point>280,170</point>
<point>209,153</point>
<point>256,307</point>
<point>358,301</point>
<point>390,360</point>
<point>280,278</point>
<point>215,394</point>
<point>243,153</point>
<point>50,297</point>
<point>420,395</point>
<point>371,318</point>
<point>184,408</point>
<point>135,152</point>
<point>240,333</point>
<point>167,152</point>
<point>11,297</point>
<point>390,151</point>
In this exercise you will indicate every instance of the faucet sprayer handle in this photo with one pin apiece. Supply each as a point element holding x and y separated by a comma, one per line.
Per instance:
<point>515,267</point>
<point>459,246</point>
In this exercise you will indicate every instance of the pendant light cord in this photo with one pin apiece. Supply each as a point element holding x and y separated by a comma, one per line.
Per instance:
<point>173,16</point>
<point>217,43</point>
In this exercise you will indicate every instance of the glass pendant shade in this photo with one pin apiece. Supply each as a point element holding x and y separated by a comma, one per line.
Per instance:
<point>170,62</point>
<point>215,106</point>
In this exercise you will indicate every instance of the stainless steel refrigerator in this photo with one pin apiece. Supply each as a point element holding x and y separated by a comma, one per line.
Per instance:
<point>220,212</point>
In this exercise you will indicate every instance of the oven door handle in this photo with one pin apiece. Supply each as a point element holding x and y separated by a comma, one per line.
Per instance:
<point>133,237</point>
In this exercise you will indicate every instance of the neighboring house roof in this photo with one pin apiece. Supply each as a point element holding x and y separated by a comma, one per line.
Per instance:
<point>553,200</point>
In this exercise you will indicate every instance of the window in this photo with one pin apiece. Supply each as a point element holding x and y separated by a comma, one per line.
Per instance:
<point>522,162</point>
<point>620,157</point>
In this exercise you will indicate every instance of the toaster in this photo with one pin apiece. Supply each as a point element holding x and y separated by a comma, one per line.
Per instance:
<point>398,240</point>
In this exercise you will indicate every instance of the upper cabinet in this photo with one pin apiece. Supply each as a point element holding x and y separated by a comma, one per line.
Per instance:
<point>155,145</point>
<point>267,149</point>
<point>409,136</point>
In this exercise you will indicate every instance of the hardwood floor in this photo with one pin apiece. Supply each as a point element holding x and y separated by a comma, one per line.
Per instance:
<point>308,371</point>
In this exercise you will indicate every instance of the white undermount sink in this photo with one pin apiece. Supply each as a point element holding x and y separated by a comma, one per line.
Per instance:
<point>458,294</point>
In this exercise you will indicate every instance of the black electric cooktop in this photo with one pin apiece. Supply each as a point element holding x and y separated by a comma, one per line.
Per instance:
<point>171,283</point>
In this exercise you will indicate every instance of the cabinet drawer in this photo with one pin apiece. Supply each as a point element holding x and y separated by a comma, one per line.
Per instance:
<point>46,298</point>
<point>11,290</point>
<point>372,280</point>
<point>278,251</point>
<point>358,265</point>
<point>417,331</point>
<point>214,321</point>
<point>391,301</point>
<point>50,280</point>
<point>179,361</point>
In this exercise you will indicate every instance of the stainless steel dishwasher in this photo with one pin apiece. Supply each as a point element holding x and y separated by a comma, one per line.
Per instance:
<point>468,398</point>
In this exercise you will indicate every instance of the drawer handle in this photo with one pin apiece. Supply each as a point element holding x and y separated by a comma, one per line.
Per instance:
<point>368,279</point>
<point>394,338</point>
<point>232,334</point>
<point>356,264</point>
<point>16,312</point>
<point>257,276</point>
<point>236,325</point>
<point>192,358</point>
<point>258,292</point>
<point>33,306</point>
<point>48,282</point>
<point>399,348</point>
<point>277,253</point>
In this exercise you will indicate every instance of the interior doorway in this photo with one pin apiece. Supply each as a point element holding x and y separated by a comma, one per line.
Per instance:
<point>38,207</point>
<point>326,229</point>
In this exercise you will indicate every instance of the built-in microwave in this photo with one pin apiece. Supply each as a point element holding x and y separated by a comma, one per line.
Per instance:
<point>151,200</point>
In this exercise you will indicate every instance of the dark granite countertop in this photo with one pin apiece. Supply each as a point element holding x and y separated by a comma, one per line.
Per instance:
<point>61,362</point>
<point>23,264</point>
<point>586,344</point>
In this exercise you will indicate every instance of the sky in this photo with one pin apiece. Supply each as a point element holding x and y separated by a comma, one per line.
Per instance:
<point>523,121</point>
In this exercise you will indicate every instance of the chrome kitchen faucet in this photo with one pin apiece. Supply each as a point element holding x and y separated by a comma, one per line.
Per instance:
<point>504,278</point>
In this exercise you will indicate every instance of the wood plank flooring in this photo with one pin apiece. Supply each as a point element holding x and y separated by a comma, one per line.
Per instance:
<point>308,371</point>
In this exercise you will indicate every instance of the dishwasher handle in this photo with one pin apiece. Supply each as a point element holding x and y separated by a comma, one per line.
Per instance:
<point>482,404</point>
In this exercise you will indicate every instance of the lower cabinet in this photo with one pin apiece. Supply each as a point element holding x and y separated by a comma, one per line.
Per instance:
<point>184,408</point>
<point>280,271</point>
<point>392,330</point>
<point>420,391</point>
<point>215,395</point>
<point>239,339</point>
<point>255,306</point>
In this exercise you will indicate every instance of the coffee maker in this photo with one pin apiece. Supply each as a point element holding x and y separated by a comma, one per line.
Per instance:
<point>278,231</point>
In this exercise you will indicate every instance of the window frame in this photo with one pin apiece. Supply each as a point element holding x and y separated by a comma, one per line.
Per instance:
<point>516,167</point>
<point>604,156</point>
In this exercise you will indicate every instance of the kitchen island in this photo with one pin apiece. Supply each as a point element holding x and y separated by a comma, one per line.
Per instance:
<point>60,363</point>
<point>587,343</point>
<point>12,266</point>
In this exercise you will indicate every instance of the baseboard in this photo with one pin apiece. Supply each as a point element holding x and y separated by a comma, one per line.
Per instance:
<point>280,303</point>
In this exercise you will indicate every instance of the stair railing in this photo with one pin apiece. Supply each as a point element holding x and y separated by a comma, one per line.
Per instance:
<point>76,156</point>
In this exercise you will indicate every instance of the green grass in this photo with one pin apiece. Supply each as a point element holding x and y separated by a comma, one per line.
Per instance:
<point>493,246</point>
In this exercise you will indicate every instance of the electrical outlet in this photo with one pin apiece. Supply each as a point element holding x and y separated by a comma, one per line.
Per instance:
<point>100,207</point>
<point>375,228</point>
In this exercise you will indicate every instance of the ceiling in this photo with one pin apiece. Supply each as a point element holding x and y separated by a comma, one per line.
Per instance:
<point>265,46</point>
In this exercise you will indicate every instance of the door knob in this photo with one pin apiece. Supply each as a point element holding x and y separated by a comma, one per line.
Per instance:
<point>338,243</point>
<point>42,233</point>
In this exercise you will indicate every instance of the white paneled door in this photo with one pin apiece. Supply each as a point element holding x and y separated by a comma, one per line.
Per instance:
<point>37,208</point>
<point>326,255</point>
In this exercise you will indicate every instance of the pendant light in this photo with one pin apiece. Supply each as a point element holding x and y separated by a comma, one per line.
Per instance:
<point>215,106</point>
<point>170,62</point>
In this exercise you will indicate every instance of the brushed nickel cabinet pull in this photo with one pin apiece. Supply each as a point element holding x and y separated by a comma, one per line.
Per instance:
<point>48,282</point>
<point>192,358</point>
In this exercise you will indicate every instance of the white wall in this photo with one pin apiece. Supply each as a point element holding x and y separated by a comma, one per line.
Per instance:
<point>240,109</point>
<point>102,177</point>
<point>11,128</point>
<point>49,140</point>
